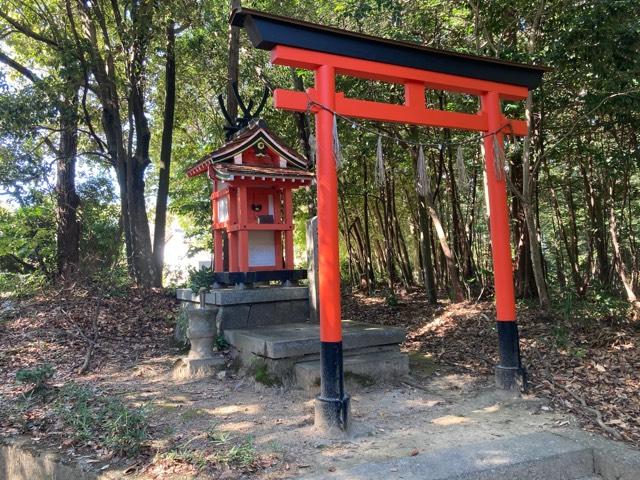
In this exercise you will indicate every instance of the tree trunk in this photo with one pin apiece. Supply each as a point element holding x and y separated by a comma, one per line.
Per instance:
<point>159,231</point>
<point>529,215</point>
<point>67,201</point>
<point>457,291</point>
<point>424,235</point>
<point>620,266</point>
<point>233,63</point>
<point>525,283</point>
<point>367,236</point>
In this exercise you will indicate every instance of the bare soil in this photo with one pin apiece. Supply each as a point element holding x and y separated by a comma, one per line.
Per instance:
<point>233,427</point>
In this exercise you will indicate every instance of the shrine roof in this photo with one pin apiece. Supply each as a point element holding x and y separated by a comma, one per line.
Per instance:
<point>224,171</point>
<point>267,31</point>
<point>245,139</point>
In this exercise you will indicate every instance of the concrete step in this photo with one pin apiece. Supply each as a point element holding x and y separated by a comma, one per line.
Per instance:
<point>361,368</point>
<point>299,339</point>
<point>537,456</point>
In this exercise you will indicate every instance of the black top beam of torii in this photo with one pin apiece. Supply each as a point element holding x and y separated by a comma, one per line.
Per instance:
<point>267,30</point>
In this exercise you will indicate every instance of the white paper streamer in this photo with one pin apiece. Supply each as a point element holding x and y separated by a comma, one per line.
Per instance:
<point>312,149</point>
<point>381,177</point>
<point>423,186</point>
<point>498,160</point>
<point>337,152</point>
<point>462,171</point>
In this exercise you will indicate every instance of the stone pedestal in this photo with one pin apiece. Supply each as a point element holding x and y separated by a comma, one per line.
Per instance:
<point>252,307</point>
<point>201,332</point>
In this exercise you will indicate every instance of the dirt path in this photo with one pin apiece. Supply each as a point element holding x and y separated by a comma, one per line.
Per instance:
<point>389,421</point>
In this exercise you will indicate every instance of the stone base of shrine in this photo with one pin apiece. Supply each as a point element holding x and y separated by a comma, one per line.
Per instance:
<point>290,353</point>
<point>269,332</point>
<point>186,368</point>
<point>241,308</point>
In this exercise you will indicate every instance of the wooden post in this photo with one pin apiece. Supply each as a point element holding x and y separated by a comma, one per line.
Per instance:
<point>332,405</point>
<point>288,233</point>
<point>509,371</point>
<point>243,234</point>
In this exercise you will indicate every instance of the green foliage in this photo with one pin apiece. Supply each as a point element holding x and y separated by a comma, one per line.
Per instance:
<point>597,305</point>
<point>17,285</point>
<point>391,299</point>
<point>221,343</point>
<point>200,278</point>
<point>28,241</point>
<point>101,242</point>
<point>36,376</point>
<point>104,420</point>
<point>260,371</point>
<point>242,453</point>
<point>27,238</point>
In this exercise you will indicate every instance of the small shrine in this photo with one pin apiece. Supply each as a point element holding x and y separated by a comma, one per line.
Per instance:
<point>277,325</point>
<point>253,174</point>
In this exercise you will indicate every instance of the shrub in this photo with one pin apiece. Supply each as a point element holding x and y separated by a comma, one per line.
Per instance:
<point>36,376</point>
<point>200,278</point>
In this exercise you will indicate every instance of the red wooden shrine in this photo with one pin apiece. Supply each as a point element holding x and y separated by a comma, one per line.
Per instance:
<point>253,175</point>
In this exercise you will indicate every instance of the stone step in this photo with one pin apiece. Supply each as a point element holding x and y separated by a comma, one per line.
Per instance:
<point>536,456</point>
<point>361,367</point>
<point>299,339</point>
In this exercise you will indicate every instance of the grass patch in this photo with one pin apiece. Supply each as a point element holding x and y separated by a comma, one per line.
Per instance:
<point>359,379</point>
<point>422,363</point>
<point>260,372</point>
<point>219,448</point>
<point>192,414</point>
<point>186,455</point>
<point>242,453</point>
<point>221,343</point>
<point>102,419</point>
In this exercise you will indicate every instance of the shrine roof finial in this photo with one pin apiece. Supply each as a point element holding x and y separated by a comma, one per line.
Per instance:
<point>235,125</point>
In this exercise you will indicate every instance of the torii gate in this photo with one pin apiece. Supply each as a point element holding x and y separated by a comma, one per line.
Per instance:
<point>329,52</point>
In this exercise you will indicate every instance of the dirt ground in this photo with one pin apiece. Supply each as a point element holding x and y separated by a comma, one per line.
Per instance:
<point>434,408</point>
<point>585,375</point>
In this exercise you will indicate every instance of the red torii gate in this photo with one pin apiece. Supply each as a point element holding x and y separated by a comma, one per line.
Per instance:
<point>329,52</point>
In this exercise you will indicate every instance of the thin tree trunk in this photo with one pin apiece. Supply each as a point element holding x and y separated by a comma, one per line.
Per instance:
<point>621,268</point>
<point>233,63</point>
<point>159,231</point>
<point>367,236</point>
<point>457,290</point>
<point>529,214</point>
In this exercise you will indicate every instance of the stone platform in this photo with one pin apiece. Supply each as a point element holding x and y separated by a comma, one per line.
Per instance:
<point>270,326</point>
<point>292,351</point>
<point>536,456</point>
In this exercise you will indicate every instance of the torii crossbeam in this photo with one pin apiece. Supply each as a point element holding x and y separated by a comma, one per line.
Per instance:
<point>329,52</point>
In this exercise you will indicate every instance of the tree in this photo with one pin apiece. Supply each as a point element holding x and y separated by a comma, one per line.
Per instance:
<point>62,89</point>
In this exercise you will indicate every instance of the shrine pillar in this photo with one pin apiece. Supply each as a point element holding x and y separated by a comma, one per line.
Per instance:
<point>509,371</point>
<point>332,405</point>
